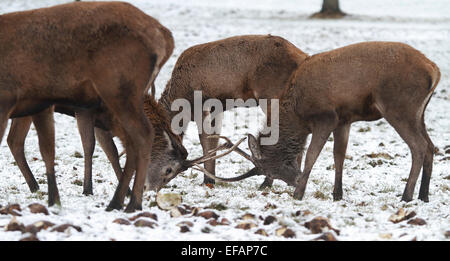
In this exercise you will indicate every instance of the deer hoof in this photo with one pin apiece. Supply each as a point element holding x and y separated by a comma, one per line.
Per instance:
<point>88,192</point>
<point>113,205</point>
<point>34,188</point>
<point>132,208</point>
<point>133,205</point>
<point>207,181</point>
<point>264,185</point>
<point>337,196</point>
<point>424,198</point>
<point>298,194</point>
<point>406,198</point>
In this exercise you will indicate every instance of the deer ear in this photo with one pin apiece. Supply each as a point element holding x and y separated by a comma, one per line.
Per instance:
<point>254,147</point>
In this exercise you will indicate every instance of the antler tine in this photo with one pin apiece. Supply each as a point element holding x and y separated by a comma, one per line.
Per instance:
<point>250,173</point>
<point>209,156</point>
<point>229,144</point>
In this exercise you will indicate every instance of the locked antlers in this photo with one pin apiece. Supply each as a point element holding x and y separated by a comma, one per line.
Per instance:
<point>229,146</point>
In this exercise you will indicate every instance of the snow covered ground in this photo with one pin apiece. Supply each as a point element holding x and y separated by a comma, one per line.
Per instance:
<point>372,186</point>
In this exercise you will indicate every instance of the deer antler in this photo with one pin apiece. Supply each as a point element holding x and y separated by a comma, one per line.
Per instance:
<point>229,144</point>
<point>210,156</point>
<point>252,172</point>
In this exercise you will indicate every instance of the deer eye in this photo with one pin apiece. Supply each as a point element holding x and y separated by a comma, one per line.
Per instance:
<point>168,171</point>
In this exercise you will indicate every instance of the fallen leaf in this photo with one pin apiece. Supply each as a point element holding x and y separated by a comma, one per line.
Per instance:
<point>380,155</point>
<point>43,224</point>
<point>184,229</point>
<point>208,214</point>
<point>261,232</point>
<point>37,208</point>
<point>385,235</point>
<point>122,221</point>
<point>11,209</point>
<point>417,222</point>
<point>401,215</point>
<point>248,216</point>
<point>14,225</point>
<point>269,220</point>
<point>144,214</point>
<point>63,227</point>
<point>285,232</point>
<point>317,224</point>
<point>225,222</point>
<point>246,225</point>
<point>206,230</point>
<point>144,223</point>
<point>327,236</point>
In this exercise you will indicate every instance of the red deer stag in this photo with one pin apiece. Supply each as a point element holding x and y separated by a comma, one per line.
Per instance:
<point>86,55</point>
<point>331,90</point>
<point>241,67</point>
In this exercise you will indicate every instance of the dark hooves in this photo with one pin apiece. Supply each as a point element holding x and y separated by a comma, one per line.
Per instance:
<point>298,194</point>
<point>34,188</point>
<point>132,208</point>
<point>88,193</point>
<point>113,206</point>
<point>207,181</point>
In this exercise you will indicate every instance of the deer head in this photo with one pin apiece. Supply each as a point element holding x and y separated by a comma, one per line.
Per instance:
<point>168,153</point>
<point>282,166</point>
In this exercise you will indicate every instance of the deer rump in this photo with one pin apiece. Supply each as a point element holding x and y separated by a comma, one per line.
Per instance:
<point>85,55</point>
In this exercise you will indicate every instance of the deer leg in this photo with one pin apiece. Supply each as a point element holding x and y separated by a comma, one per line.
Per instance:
<point>210,143</point>
<point>142,164</point>
<point>427,166</point>
<point>139,134</point>
<point>340,147</point>
<point>409,129</point>
<point>16,142</point>
<point>85,122</point>
<point>320,134</point>
<point>45,129</point>
<point>267,183</point>
<point>124,181</point>
<point>210,165</point>
<point>105,139</point>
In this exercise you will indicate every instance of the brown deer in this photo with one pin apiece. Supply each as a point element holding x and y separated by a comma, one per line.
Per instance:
<point>86,56</point>
<point>43,122</point>
<point>331,90</point>
<point>241,67</point>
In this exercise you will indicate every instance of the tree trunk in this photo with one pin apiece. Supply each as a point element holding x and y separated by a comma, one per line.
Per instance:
<point>330,6</point>
<point>330,9</point>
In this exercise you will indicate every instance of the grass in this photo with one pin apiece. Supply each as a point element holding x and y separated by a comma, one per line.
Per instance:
<point>77,182</point>
<point>387,189</point>
<point>217,206</point>
<point>320,195</point>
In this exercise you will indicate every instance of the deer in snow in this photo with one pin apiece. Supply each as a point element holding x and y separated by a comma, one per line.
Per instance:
<point>43,122</point>
<point>331,90</point>
<point>87,56</point>
<point>241,67</point>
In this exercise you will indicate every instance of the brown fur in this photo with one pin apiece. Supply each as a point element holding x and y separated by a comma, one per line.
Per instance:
<point>248,66</point>
<point>85,55</point>
<point>331,90</point>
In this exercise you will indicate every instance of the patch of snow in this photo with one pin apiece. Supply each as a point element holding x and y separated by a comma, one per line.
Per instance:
<point>371,194</point>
